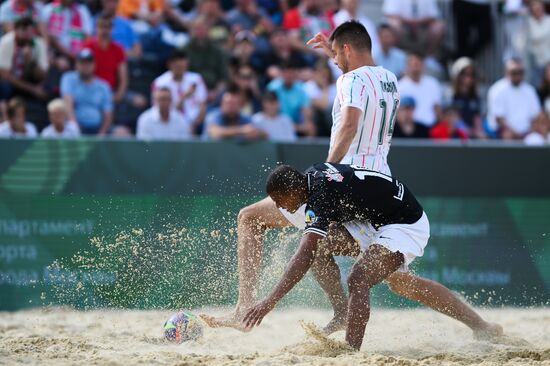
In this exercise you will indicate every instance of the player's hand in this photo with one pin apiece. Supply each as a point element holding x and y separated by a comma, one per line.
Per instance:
<point>255,315</point>
<point>321,41</point>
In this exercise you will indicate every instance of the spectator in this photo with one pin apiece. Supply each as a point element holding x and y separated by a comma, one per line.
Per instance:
<point>60,127</point>
<point>513,104</point>
<point>321,90</point>
<point>276,125</point>
<point>16,126</point>
<point>13,10</point>
<point>539,38</point>
<point>68,24</point>
<point>293,98</point>
<point>219,29</point>
<point>541,131</point>
<point>465,96</point>
<point>350,11</point>
<point>406,126</point>
<point>425,90</point>
<point>305,21</point>
<point>246,82</point>
<point>163,121</point>
<point>450,127</point>
<point>248,15</point>
<point>388,55</point>
<point>144,14</point>
<point>281,51</point>
<point>416,24</point>
<point>122,31</point>
<point>244,52</point>
<point>544,90</point>
<point>229,123</point>
<point>23,62</point>
<point>88,99</point>
<point>473,26</point>
<point>189,92</point>
<point>112,67</point>
<point>207,59</point>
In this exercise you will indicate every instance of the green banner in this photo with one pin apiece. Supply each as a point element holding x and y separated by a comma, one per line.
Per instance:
<point>128,224</point>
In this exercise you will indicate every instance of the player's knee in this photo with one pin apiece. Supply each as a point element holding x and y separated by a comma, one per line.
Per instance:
<point>359,279</point>
<point>395,284</point>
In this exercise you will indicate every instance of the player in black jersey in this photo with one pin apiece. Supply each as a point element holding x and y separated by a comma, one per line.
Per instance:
<point>392,230</point>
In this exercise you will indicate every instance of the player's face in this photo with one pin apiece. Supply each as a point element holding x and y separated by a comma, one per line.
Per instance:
<point>288,201</point>
<point>339,57</point>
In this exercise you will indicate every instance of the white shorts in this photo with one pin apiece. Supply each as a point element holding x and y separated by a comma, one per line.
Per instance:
<point>408,239</point>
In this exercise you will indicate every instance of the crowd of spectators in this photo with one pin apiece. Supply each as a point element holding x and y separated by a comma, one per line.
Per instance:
<point>241,69</point>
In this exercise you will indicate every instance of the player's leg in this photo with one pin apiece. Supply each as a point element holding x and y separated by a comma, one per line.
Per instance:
<point>438,297</point>
<point>252,223</point>
<point>375,265</point>
<point>327,273</point>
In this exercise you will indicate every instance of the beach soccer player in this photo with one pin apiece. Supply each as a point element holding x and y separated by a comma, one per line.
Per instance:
<point>382,215</point>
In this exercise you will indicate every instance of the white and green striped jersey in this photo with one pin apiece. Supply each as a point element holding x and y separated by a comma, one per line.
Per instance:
<point>373,90</point>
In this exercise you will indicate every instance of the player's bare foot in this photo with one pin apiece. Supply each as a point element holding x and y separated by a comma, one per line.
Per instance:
<point>337,323</point>
<point>489,332</point>
<point>231,320</point>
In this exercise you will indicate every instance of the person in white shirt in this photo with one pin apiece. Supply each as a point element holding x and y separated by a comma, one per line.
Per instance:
<point>541,131</point>
<point>425,90</point>
<point>416,23</point>
<point>163,121</point>
<point>277,126</point>
<point>388,55</point>
<point>189,92</point>
<point>16,126</point>
<point>59,127</point>
<point>513,104</point>
<point>349,9</point>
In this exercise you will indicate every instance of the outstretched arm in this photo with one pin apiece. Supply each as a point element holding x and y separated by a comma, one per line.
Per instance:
<point>297,268</point>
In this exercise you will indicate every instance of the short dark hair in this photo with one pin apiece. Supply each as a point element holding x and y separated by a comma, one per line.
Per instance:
<point>177,54</point>
<point>385,26</point>
<point>282,179</point>
<point>104,17</point>
<point>353,33</point>
<point>24,22</point>
<point>270,96</point>
<point>13,105</point>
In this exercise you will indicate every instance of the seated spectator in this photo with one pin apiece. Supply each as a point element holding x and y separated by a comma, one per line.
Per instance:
<point>544,90</point>
<point>416,24</point>
<point>405,125</point>
<point>281,51</point>
<point>305,21</point>
<point>293,99</point>
<point>111,66</point>
<point>23,62</point>
<point>276,125</point>
<point>68,24</point>
<point>465,96</point>
<point>16,126</point>
<point>144,14</point>
<point>229,123</point>
<point>212,13</point>
<point>450,127</point>
<point>512,103</point>
<point>59,127</point>
<point>321,90</point>
<point>88,99</point>
<point>189,92</point>
<point>538,29</point>
<point>122,31</point>
<point>540,134</point>
<point>13,10</point>
<point>246,82</point>
<point>162,121</point>
<point>207,59</point>
<point>425,90</point>
<point>350,11</point>
<point>388,55</point>
<point>246,14</point>
<point>243,52</point>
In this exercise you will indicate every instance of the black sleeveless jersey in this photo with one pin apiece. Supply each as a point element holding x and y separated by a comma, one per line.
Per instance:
<point>341,193</point>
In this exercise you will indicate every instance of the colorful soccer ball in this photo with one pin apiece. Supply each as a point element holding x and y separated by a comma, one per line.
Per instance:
<point>182,327</point>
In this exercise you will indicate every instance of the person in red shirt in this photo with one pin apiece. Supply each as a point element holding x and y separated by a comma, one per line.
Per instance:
<point>450,127</point>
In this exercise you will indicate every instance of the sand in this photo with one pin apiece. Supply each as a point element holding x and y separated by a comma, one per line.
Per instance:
<point>394,337</point>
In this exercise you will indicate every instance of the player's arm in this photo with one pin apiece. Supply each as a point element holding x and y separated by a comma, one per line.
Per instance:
<point>296,270</point>
<point>345,134</point>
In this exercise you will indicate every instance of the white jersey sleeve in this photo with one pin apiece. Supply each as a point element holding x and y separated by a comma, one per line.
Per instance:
<point>352,91</point>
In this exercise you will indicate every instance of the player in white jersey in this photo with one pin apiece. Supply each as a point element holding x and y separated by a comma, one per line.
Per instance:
<point>364,115</point>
